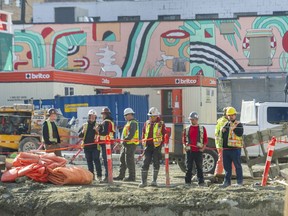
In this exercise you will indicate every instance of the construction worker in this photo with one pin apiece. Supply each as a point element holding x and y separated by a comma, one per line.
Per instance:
<point>50,132</point>
<point>130,137</point>
<point>106,128</point>
<point>219,144</point>
<point>153,137</point>
<point>194,139</point>
<point>92,153</point>
<point>232,143</point>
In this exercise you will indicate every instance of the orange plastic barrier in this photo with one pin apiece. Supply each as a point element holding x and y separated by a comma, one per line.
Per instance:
<point>271,148</point>
<point>70,175</point>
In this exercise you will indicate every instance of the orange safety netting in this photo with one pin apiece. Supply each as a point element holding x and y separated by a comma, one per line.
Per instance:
<point>70,175</point>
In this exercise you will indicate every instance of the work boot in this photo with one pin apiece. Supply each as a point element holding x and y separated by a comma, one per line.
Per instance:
<point>155,176</point>
<point>225,185</point>
<point>144,176</point>
<point>99,178</point>
<point>129,179</point>
<point>105,180</point>
<point>118,178</point>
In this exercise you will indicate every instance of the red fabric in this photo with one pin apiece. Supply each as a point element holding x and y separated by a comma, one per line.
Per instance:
<point>193,134</point>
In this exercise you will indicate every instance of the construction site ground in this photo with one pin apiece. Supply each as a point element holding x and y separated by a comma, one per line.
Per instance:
<point>122,198</point>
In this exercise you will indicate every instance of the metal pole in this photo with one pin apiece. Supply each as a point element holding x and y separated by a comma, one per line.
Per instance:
<point>23,11</point>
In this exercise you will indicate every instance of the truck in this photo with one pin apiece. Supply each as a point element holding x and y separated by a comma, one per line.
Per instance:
<point>255,117</point>
<point>21,128</point>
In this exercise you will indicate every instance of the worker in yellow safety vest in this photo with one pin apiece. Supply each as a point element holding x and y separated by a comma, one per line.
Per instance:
<point>50,133</point>
<point>152,139</point>
<point>219,145</point>
<point>232,133</point>
<point>92,153</point>
<point>130,140</point>
<point>106,128</point>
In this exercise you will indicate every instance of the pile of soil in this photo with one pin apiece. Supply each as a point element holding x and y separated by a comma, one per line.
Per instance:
<point>31,198</point>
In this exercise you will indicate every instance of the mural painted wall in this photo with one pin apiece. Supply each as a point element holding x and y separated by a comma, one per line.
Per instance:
<point>212,48</point>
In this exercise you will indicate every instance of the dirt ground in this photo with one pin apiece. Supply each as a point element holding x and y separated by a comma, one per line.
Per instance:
<point>31,198</point>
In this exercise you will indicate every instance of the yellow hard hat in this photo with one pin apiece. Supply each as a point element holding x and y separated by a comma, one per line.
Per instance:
<point>231,111</point>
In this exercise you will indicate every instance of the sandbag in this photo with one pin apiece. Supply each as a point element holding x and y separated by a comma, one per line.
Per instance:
<point>70,176</point>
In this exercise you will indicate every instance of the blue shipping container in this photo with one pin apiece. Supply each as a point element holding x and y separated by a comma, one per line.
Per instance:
<point>115,102</point>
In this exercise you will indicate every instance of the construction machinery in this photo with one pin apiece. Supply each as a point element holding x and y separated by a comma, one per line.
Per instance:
<point>21,128</point>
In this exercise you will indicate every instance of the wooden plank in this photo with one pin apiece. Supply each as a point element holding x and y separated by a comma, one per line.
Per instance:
<point>277,154</point>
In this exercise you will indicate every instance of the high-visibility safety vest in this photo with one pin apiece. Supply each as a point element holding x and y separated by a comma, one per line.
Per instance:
<point>233,139</point>
<point>221,122</point>
<point>157,133</point>
<point>50,132</point>
<point>135,139</point>
<point>85,126</point>
<point>111,133</point>
<point>200,138</point>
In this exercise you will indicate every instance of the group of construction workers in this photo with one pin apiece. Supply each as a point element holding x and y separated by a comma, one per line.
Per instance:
<point>228,136</point>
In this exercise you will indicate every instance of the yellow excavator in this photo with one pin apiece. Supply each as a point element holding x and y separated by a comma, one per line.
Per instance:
<point>21,127</point>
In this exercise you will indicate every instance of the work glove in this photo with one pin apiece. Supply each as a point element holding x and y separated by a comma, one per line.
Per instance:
<point>187,148</point>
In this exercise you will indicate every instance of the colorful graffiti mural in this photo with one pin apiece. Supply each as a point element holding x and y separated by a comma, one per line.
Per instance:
<point>183,48</point>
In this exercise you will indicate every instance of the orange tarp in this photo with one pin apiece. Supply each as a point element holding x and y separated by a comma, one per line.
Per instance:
<point>70,175</point>
<point>44,168</point>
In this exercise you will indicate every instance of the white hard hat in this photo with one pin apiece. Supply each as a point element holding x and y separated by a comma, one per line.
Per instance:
<point>193,115</point>
<point>128,111</point>
<point>153,111</point>
<point>92,112</point>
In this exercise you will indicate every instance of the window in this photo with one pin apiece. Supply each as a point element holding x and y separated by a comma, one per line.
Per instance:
<point>169,17</point>
<point>179,65</point>
<point>277,115</point>
<point>206,16</point>
<point>260,51</point>
<point>128,18</point>
<point>69,91</point>
<point>227,28</point>
<point>236,15</point>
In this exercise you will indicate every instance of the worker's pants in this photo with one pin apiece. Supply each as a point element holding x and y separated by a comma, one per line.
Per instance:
<point>152,154</point>
<point>198,158</point>
<point>104,158</point>
<point>52,147</point>
<point>219,164</point>
<point>93,156</point>
<point>127,160</point>
<point>229,156</point>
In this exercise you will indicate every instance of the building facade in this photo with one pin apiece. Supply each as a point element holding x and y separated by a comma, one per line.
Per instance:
<point>142,10</point>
